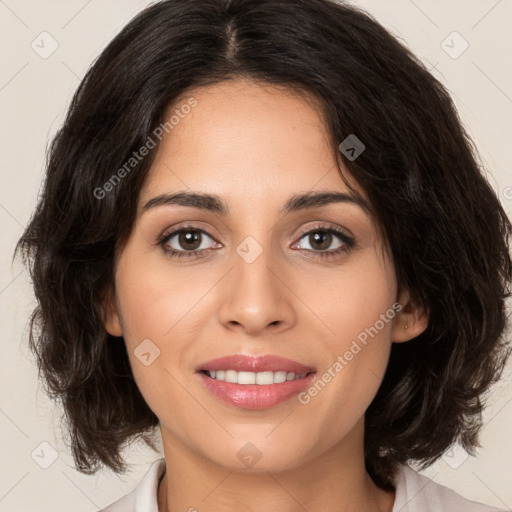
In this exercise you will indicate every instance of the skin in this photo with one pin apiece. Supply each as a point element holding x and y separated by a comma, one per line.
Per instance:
<point>255,146</point>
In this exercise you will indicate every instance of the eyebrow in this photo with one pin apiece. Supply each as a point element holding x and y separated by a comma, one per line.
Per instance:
<point>214,203</point>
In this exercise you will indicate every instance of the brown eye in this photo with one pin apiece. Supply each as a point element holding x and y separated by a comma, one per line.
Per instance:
<point>189,240</point>
<point>325,242</point>
<point>186,241</point>
<point>320,240</point>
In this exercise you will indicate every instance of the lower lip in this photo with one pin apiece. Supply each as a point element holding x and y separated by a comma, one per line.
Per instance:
<point>255,396</point>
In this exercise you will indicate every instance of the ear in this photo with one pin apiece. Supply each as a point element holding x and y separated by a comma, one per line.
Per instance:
<point>410,321</point>
<point>110,314</point>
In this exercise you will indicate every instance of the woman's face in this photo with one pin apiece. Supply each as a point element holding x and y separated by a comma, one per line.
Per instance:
<point>264,282</point>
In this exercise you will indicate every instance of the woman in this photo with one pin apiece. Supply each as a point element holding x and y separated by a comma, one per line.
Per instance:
<point>264,231</point>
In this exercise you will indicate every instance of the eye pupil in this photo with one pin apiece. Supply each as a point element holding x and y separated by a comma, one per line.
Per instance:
<point>190,237</point>
<point>323,238</point>
<point>189,241</point>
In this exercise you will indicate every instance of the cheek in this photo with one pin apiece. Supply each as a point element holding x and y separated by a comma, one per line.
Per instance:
<point>356,306</point>
<point>161,310</point>
<point>144,295</point>
<point>364,325</point>
<point>351,299</point>
<point>154,297</point>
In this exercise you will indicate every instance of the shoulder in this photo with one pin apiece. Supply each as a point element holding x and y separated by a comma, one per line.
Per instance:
<point>417,493</point>
<point>144,496</point>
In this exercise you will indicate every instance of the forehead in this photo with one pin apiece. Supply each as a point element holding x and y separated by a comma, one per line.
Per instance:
<point>245,141</point>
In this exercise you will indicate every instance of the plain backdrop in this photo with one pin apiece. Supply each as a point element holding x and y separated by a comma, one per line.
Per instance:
<point>37,472</point>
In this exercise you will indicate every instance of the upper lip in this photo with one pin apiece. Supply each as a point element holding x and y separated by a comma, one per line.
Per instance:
<point>251,363</point>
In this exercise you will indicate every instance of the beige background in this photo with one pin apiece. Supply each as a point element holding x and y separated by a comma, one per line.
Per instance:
<point>34,94</point>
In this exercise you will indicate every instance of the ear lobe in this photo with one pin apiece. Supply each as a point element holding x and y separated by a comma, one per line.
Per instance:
<point>110,315</point>
<point>410,321</point>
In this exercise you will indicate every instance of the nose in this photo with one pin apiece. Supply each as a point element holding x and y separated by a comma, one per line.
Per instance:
<point>256,297</point>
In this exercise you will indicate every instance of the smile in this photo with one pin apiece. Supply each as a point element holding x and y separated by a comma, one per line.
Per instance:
<point>252,381</point>
<point>259,378</point>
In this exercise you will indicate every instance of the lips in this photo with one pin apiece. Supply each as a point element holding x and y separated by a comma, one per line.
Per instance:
<point>255,396</point>
<point>250,363</point>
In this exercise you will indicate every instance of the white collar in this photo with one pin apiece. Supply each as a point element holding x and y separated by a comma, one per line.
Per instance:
<point>414,493</point>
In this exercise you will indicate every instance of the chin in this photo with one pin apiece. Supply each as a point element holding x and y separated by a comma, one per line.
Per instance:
<point>257,456</point>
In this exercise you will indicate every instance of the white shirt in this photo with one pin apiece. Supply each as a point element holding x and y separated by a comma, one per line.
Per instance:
<point>414,493</point>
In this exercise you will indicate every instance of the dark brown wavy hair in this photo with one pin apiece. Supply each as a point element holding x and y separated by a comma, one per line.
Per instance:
<point>441,220</point>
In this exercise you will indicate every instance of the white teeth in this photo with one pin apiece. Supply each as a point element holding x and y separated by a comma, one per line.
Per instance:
<point>261,378</point>
<point>281,376</point>
<point>246,378</point>
<point>231,376</point>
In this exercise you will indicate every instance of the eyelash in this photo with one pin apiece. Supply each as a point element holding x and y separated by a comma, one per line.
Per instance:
<point>348,242</point>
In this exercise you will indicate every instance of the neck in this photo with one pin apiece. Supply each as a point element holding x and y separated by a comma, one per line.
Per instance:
<point>330,482</point>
